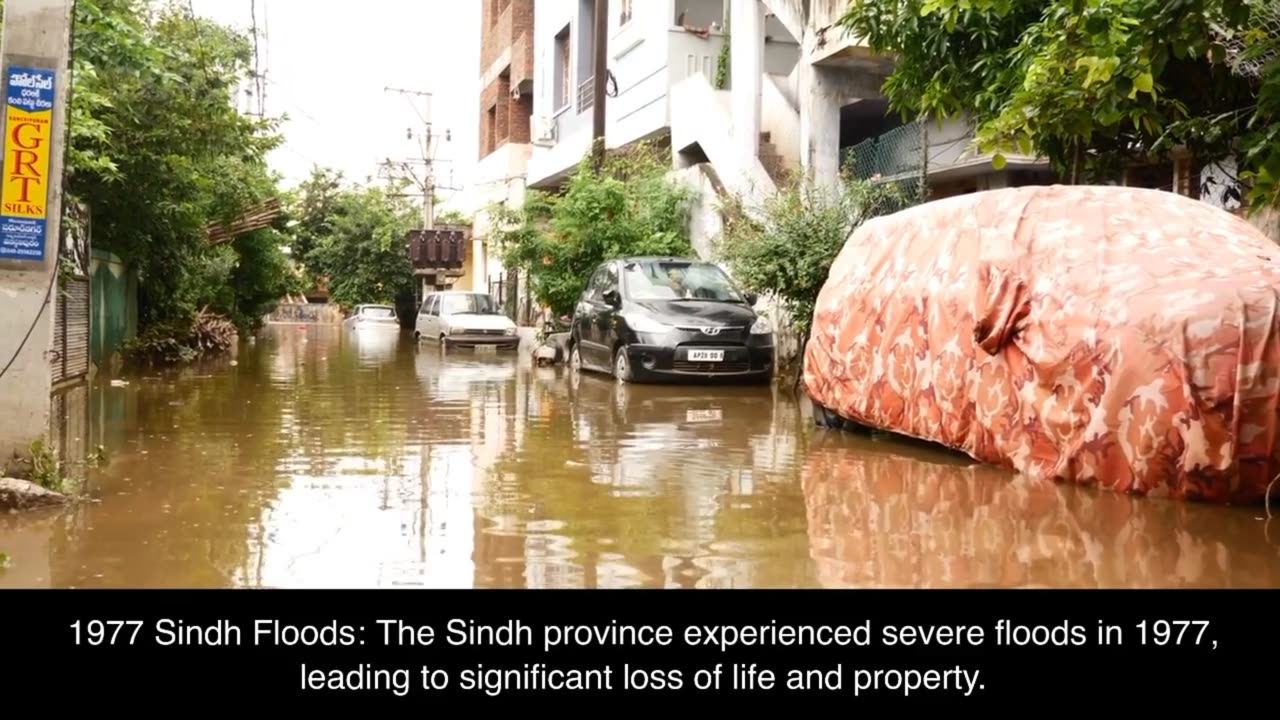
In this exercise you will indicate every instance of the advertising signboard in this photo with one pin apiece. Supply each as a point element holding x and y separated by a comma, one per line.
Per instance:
<point>28,140</point>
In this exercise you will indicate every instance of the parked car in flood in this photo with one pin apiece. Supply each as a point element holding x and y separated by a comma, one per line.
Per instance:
<point>460,318</point>
<point>668,318</point>
<point>373,318</point>
<point>1109,336</point>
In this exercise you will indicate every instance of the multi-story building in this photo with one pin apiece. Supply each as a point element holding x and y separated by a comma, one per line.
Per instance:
<point>653,46</point>
<point>740,91</point>
<point>790,92</point>
<point>506,104</point>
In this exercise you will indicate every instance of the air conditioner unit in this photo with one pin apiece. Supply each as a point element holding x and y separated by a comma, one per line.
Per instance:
<point>544,130</point>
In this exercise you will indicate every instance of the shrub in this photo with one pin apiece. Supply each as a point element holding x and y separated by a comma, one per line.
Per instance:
<point>787,247</point>
<point>178,342</point>
<point>630,208</point>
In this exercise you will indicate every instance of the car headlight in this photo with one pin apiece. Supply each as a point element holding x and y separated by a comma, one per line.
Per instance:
<point>511,331</point>
<point>761,327</point>
<point>643,324</point>
<point>457,331</point>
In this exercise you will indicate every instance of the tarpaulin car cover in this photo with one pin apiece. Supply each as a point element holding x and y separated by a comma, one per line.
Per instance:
<point>1119,337</point>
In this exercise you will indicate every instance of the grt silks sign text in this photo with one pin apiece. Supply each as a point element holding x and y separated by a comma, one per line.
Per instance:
<point>29,98</point>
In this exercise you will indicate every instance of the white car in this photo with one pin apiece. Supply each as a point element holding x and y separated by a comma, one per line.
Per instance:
<point>379,318</point>
<point>458,318</point>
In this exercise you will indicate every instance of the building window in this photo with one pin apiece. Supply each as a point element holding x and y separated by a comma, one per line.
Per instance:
<point>491,135</point>
<point>564,75</point>
<point>624,12</point>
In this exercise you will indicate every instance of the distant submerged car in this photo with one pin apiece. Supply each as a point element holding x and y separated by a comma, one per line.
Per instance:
<point>373,318</point>
<point>668,318</point>
<point>1110,336</point>
<point>459,318</point>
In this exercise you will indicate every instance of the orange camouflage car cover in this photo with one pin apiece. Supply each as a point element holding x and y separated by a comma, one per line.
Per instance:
<point>1118,337</point>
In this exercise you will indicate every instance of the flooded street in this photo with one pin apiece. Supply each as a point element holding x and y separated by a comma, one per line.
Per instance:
<point>321,459</point>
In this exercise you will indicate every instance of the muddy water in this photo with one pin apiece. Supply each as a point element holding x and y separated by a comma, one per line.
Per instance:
<point>320,459</point>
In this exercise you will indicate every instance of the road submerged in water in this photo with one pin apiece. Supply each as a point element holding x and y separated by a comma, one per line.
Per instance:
<point>319,458</point>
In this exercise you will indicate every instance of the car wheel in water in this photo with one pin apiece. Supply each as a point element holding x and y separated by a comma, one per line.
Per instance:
<point>575,359</point>
<point>823,417</point>
<point>622,365</point>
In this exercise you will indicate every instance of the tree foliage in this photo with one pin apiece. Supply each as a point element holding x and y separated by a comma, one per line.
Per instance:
<point>452,217</point>
<point>786,248</point>
<point>311,209</point>
<point>356,237</point>
<point>1089,84</point>
<point>630,208</point>
<point>158,150</point>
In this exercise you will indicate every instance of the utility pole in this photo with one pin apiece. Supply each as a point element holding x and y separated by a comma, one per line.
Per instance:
<point>420,171</point>
<point>35,60</point>
<point>599,90</point>
<point>405,169</point>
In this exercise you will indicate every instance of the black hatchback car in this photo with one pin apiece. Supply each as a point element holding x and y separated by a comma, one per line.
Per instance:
<point>654,318</point>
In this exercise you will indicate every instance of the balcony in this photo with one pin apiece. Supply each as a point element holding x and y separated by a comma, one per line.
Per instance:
<point>898,155</point>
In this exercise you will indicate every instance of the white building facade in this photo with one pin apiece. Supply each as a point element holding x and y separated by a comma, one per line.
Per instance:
<point>790,93</point>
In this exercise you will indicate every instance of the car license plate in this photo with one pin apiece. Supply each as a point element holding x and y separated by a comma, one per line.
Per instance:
<point>704,415</point>
<point>706,355</point>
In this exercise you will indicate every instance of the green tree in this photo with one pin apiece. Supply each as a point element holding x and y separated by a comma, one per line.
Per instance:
<point>452,217</point>
<point>363,253</point>
<point>159,151</point>
<point>1088,84</point>
<point>630,208</point>
<point>787,247</point>
<point>311,209</point>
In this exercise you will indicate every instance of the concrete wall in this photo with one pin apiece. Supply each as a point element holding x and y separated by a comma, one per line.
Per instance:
<point>781,119</point>
<point>309,313</point>
<point>638,55</point>
<point>647,56</point>
<point>705,223</point>
<point>499,178</point>
<point>35,34</point>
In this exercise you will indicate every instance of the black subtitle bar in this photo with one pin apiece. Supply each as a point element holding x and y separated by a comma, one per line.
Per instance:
<point>414,649</point>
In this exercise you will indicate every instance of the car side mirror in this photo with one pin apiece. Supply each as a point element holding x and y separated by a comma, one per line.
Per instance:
<point>613,298</point>
<point>751,298</point>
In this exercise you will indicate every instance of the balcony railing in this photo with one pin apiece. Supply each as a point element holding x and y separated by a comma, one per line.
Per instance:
<point>586,94</point>
<point>892,155</point>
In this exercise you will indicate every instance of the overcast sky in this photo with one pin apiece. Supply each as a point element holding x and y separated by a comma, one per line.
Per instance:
<point>327,64</point>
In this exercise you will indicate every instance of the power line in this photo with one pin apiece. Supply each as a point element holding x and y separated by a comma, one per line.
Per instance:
<point>403,170</point>
<point>260,70</point>
<point>195,28</point>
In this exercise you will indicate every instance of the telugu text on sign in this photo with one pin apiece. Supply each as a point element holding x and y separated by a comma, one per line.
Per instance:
<point>29,100</point>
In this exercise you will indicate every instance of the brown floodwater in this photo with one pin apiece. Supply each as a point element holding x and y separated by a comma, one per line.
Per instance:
<point>321,459</point>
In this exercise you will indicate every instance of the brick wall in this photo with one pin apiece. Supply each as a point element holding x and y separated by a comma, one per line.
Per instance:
<point>511,119</point>
<point>522,58</point>
<point>494,36</point>
<point>521,114</point>
<point>489,98</point>
<point>513,19</point>
<point>505,24</point>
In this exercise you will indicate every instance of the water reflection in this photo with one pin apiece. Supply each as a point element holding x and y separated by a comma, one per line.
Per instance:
<point>879,517</point>
<point>331,459</point>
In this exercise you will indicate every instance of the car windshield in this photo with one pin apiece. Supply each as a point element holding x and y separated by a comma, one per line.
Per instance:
<point>468,304</point>
<point>378,312</point>
<point>678,280</point>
